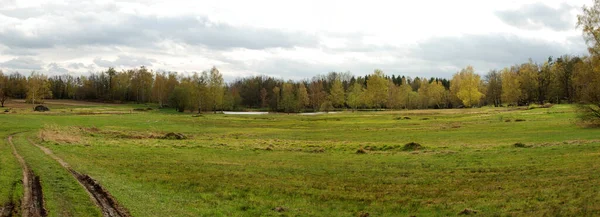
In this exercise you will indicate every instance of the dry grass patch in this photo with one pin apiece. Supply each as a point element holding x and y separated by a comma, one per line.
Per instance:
<point>54,133</point>
<point>122,134</point>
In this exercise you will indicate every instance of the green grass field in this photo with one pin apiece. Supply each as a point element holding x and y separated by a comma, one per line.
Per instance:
<point>249,165</point>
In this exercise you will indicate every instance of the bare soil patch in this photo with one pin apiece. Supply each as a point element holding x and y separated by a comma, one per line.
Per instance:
<point>7,210</point>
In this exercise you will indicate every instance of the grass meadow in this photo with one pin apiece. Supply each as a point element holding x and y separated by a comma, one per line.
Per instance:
<point>342,164</point>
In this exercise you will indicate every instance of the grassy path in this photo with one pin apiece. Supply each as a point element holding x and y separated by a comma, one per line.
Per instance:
<point>63,196</point>
<point>101,197</point>
<point>33,199</point>
<point>11,186</point>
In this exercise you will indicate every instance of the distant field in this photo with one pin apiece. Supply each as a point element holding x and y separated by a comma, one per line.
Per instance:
<point>343,164</point>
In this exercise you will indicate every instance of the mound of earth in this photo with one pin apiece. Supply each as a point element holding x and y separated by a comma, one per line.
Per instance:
<point>361,151</point>
<point>41,108</point>
<point>412,146</point>
<point>468,212</point>
<point>177,136</point>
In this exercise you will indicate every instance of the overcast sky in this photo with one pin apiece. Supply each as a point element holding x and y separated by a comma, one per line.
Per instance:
<point>285,39</point>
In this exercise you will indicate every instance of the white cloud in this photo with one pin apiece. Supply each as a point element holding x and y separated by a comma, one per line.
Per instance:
<point>288,39</point>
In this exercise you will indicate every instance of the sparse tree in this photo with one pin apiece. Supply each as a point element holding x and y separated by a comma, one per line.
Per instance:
<point>528,78</point>
<point>355,96</point>
<point>465,85</point>
<point>302,96</point>
<point>288,99</point>
<point>377,89</point>
<point>589,22</point>
<point>160,90</point>
<point>336,94</point>
<point>263,98</point>
<point>587,84</point>
<point>317,94</point>
<point>38,88</point>
<point>141,84</point>
<point>277,94</point>
<point>437,95</point>
<point>3,88</point>
<point>494,88</point>
<point>394,100</point>
<point>511,92</point>
<point>180,97</point>
<point>216,89</point>
<point>423,92</point>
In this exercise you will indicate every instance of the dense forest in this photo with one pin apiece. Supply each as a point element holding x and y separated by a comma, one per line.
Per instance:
<point>566,79</point>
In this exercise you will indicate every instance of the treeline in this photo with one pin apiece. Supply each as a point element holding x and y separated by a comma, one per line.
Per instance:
<point>567,79</point>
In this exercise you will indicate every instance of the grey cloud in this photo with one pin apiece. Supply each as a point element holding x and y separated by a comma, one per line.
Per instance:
<point>74,8</point>
<point>22,63</point>
<point>537,16</point>
<point>124,61</point>
<point>299,69</point>
<point>90,26</point>
<point>55,68</point>
<point>19,52</point>
<point>437,57</point>
<point>80,67</point>
<point>76,65</point>
<point>492,50</point>
<point>22,13</point>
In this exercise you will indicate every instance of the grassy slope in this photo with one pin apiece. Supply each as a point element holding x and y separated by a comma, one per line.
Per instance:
<point>225,170</point>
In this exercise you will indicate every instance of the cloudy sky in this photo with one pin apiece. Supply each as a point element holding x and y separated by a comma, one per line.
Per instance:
<point>285,39</point>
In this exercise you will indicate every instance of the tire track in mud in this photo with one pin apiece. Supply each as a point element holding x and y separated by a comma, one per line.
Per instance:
<point>33,198</point>
<point>107,203</point>
<point>8,209</point>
